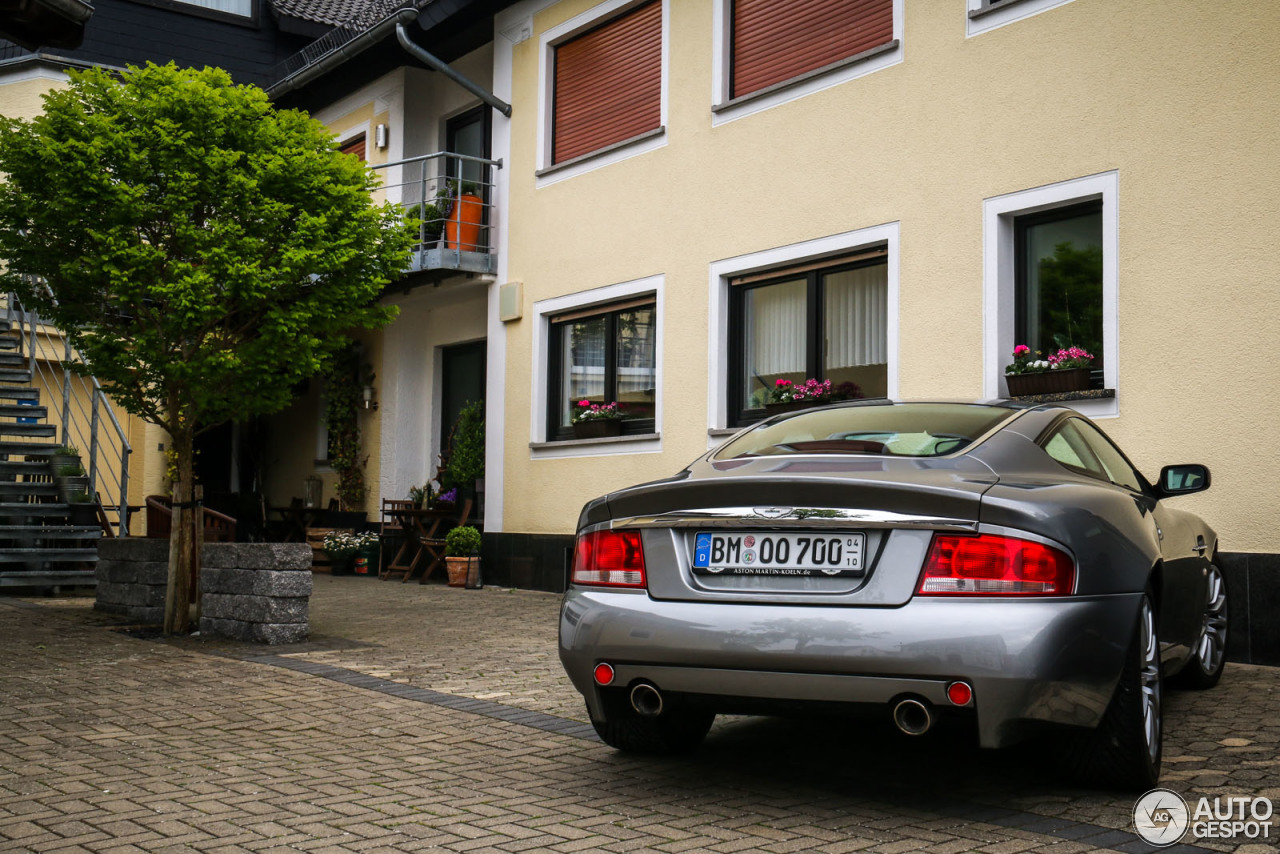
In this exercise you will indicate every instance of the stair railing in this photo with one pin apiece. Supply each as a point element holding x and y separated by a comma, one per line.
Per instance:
<point>83,404</point>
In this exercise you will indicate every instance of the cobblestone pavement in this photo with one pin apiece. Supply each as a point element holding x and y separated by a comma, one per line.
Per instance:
<point>428,718</point>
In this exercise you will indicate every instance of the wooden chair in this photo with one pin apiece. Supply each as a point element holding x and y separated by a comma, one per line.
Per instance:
<point>390,531</point>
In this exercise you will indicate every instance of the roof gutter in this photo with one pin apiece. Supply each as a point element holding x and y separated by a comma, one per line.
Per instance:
<point>356,46</point>
<point>439,65</point>
<point>368,39</point>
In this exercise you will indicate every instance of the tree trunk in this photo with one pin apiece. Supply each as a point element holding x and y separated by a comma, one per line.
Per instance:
<point>177,603</point>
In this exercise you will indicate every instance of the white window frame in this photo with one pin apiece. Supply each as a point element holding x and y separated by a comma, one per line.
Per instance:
<point>1005,13</point>
<point>718,358</point>
<point>549,173</point>
<point>725,110</point>
<point>999,279</point>
<point>543,311</point>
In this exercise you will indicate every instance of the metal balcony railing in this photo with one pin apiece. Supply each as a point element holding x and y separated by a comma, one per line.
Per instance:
<point>452,197</point>
<point>83,413</point>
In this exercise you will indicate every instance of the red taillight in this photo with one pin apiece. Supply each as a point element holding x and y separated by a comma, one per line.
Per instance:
<point>603,673</point>
<point>990,565</point>
<point>610,558</point>
<point>959,693</point>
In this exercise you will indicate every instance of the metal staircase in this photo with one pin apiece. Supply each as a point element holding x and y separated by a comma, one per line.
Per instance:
<point>39,546</point>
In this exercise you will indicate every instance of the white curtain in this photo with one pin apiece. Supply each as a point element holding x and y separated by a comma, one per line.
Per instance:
<point>857,317</point>
<point>775,321</point>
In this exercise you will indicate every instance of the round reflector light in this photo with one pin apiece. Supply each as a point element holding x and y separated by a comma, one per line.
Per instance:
<point>959,693</point>
<point>604,673</point>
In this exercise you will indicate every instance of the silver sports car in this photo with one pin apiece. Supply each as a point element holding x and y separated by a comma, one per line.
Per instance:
<point>996,562</point>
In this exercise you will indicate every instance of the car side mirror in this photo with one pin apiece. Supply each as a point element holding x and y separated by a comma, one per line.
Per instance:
<point>1184,479</point>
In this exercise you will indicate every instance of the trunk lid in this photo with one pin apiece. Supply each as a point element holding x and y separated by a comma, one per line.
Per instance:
<point>884,509</point>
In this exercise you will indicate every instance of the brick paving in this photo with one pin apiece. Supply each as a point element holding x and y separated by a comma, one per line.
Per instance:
<point>428,718</point>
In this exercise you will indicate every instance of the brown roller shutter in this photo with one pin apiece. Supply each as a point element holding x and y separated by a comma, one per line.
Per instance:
<point>354,146</point>
<point>776,40</point>
<point>608,84</point>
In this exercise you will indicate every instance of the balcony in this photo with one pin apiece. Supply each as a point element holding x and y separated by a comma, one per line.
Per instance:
<point>451,195</point>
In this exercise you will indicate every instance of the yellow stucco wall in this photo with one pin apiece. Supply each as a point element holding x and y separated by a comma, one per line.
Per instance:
<point>1179,99</point>
<point>22,98</point>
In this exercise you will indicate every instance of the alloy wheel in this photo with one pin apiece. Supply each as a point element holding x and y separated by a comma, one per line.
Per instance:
<point>1213,632</point>
<point>1150,680</point>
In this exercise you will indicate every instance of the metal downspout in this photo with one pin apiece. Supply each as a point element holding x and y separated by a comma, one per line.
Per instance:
<point>439,65</point>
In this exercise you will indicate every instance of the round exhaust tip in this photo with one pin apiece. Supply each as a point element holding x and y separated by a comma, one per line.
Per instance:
<point>912,717</point>
<point>646,700</point>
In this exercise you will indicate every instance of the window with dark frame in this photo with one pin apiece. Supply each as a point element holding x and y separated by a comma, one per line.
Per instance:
<point>238,11</point>
<point>823,320</point>
<point>608,84</point>
<point>1058,281</point>
<point>776,40</point>
<point>601,355</point>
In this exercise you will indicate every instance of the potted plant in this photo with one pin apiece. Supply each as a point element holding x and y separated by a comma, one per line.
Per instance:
<point>70,476</point>
<point>83,510</point>
<point>463,212</point>
<point>421,496</point>
<point>430,220</point>
<point>461,553</point>
<point>466,450</point>
<point>342,546</point>
<point>1064,371</point>
<point>595,421</point>
<point>786,396</point>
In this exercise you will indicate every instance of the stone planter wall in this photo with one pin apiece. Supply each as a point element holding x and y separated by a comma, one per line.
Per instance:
<point>250,591</point>
<point>256,591</point>
<point>132,573</point>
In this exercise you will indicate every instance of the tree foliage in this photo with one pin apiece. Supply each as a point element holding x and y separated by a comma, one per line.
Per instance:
<point>203,251</point>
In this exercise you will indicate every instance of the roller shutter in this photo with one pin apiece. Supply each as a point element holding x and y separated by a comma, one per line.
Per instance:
<point>776,40</point>
<point>608,83</point>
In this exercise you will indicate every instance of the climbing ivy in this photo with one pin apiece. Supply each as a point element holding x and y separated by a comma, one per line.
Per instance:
<point>343,385</point>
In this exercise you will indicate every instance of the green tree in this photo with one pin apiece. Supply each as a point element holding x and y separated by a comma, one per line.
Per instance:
<point>204,251</point>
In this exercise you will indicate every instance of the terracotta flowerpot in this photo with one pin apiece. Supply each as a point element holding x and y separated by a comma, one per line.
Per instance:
<point>462,228</point>
<point>598,429</point>
<point>457,567</point>
<point>1048,382</point>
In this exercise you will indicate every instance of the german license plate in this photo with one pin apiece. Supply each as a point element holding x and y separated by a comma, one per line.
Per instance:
<point>769,553</point>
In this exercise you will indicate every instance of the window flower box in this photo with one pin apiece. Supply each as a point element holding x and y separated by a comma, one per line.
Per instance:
<point>598,429</point>
<point>1048,382</point>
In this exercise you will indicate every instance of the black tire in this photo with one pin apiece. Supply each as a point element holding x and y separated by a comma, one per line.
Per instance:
<point>1124,751</point>
<point>1209,657</point>
<point>672,732</point>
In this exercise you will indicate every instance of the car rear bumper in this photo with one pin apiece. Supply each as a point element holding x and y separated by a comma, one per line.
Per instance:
<point>1049,660</point>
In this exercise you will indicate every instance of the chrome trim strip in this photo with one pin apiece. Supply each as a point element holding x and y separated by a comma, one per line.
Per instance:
<point>792,517</point>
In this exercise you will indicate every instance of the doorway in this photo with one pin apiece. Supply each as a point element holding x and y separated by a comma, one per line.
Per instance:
<point>462,368</point>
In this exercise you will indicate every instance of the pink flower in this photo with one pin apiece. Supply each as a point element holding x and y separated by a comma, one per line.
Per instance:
<point>1021,350</point>
<point>782,382</point>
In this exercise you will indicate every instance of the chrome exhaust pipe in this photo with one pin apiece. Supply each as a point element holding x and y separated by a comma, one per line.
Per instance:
<point>646,700</point>
<point>912,716</point>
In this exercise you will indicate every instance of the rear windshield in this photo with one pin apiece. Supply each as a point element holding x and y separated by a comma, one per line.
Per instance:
<point>901,429</point>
